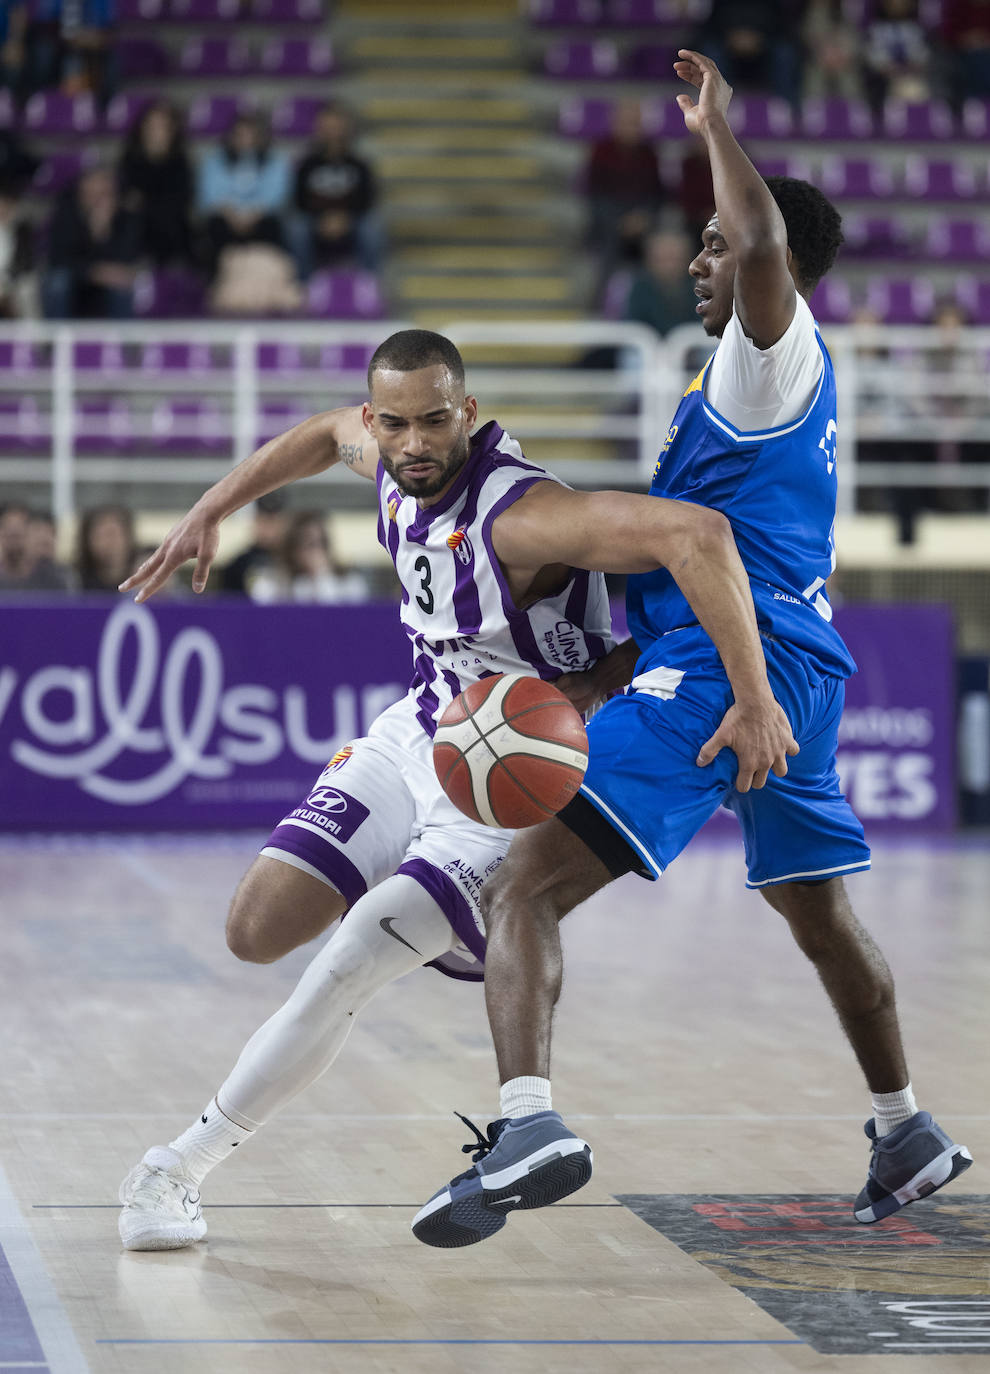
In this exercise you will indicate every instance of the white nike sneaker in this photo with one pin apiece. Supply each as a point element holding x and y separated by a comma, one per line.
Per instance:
<point>161,1208</point>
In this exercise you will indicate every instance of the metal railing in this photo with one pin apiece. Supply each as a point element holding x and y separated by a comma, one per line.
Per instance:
<point>98,402</point>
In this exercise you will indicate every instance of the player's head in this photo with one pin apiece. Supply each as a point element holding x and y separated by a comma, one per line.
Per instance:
<point>814,234</point>
<point>418,412</point>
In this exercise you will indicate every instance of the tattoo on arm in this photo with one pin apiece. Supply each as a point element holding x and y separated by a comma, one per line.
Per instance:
<point>351,454</point>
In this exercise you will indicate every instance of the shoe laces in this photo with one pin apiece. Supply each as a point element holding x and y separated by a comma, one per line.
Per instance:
<point>482,1145</point>
<point>146,1185</point>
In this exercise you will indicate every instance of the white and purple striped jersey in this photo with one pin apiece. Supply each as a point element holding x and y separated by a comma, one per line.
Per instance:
<point>456,607</point>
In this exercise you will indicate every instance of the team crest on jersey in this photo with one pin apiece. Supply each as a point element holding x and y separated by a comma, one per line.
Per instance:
<point>393,507</point>
<point>340,758</point>
<point>461,544</point>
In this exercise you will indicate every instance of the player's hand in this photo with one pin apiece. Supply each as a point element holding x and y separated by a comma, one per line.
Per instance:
<point>195,536</point>
<point>581,690</point>
<point>760,737</point>
<point>714,91</point>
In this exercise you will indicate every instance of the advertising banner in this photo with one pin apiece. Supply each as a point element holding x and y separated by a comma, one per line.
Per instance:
<point>220,714</point>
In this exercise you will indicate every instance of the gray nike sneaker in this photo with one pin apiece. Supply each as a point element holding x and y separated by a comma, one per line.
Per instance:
<point>911,1162</point>
<point>161,1208</point>
<point>529,1162</point>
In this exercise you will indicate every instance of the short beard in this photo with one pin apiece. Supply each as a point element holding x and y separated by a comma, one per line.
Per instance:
<point>429,486</point>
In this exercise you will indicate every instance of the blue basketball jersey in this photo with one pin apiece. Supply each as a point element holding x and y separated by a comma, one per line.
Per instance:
<point>777,488</point>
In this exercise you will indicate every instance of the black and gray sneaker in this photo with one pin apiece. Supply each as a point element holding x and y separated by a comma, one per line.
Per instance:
<point>911,1162</point>
<point>529,1162</point>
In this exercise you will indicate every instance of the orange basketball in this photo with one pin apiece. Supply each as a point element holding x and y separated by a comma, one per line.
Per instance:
<point>510,751</point>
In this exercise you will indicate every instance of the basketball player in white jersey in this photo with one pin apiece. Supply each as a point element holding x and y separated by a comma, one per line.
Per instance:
<point>501,570</point>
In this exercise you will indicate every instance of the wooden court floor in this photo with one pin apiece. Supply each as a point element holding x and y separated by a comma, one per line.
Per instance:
<point>694,1050</point>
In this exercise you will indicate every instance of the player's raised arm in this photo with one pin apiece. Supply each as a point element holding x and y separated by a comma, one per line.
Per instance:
<point>620,532</point>
<point>334,436</point>
<point>747,221</point>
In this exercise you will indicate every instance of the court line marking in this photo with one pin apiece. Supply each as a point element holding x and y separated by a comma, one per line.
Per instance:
<point>338,1117</point>
<point>461,1340</point>
<point>243,1206</point>
<point>51,1324</point>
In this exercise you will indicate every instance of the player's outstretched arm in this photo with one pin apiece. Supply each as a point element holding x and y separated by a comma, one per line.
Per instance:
<point>612,531</point>
<point>334,436</point>
<point>748,217</point>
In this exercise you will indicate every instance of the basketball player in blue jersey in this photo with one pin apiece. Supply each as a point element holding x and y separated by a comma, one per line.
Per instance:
<point>500,567</point>
<point>754,437</point>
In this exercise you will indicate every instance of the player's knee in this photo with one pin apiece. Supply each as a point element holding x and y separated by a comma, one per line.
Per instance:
<point>512,894</point>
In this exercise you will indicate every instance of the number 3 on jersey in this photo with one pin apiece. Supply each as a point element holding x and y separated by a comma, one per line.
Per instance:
<point>424,597</point>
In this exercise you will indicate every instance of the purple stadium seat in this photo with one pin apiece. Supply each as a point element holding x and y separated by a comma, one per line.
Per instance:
<point>908,300</point>
<point>204,11</point>
<point>645,14</point>
<point>22,359</point>
<point>124,110</point>
<point>975,121</point>
<point>973,294</point>
<point>139,11</point>
<point>294,118</point>
<point>957,240</point>
<point>346,357</point>
<point>56,172</point>
<point>344,296</point>
<point>297,57</point>
<point>856,178</point>
<point>280,357</point>
<point>90,355</point>
<point>175,359</point>
<point>917,120</point>
<point>24,427</point>
<point>278,416</point>
<point>763,116</point>
<point>832,301</point>
<point>615,297</point>
<point>215,57</point>
<point>874,237</point>
<point>831,117</point>
<point>8,114</point>
<point>562,14</point>
<point>579,118</point>
<point>141,58</point>
<point>189,427</point>
<point>102,426</point>
<point>50,112</point>
<point>939,180</point>
<point>169,293</point>
<point>212,115</point>
<point>287,11</point>
<point>652,62</point>
<point>582,61</point>
<point>783,167</point>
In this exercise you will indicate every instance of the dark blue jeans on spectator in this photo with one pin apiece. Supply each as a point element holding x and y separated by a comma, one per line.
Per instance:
<point>67,295</point>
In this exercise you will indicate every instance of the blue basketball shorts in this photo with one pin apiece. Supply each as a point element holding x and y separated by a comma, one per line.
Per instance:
<point>643,778</point>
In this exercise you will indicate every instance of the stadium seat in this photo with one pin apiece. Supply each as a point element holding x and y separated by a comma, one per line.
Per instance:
<point>196,427</point>
<point>957,240</point>
<point>280,357</point>
<point>294,118</point>
<point>832,118</point>
<point>917,120</point>
<point>346,357</point>
<point>973,294</point>
<point>562,14</point>
<point>278,416</point>
<point>580,61</point>
<point>212,115</point>
<point>344,296</point>
<point>286,11</point>
<point>832,301</point>
<point>169,293</point>
<point>90,355</point>
<point>22,359</point>
<point>939,180</point>
<point>587,118</point>
<point>652,62</point>
<point>204,11</point>
<point>141,58</point>
<point>215,57</point>
<point>297,57</point>
<point>645,14</point>
<point>856,178</point>
<point>975,120</point>
<point>783,167</point>
<point>8,113</point>
<point>165,360</point>
<point>57,171</point>
<point>139,11</point>
<point>24,428</point>
<point>875,237</point>
<point>908,300</point>
<point>102,426</point>
<point>762,116</point>
<point>615,297</point>
<point>51,112</point>
<point>124,110</point>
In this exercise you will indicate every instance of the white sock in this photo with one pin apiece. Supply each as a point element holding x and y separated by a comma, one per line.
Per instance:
<point>523,1097</point>
<point>891,1110</point>
<point>208,1141</point>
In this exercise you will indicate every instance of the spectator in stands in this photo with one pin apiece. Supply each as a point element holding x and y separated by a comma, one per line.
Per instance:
<point>27,552</point>
<point>661,293</point>
<point>243,189</point>
<point>13,50</point>
<point>156,183</point>
<point>270,528</point>
<point>94,246</point>
<point>896,55</point>
<point>306,569</point>
<point>69,44</point>
<point>108,550</point>
<point>965,31</point>
<point>17,164</point>
<point>334,198</point>
<point>833,43</point>
<point>16,259</point>
<point>623,187</point>
<point>756,44</point>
